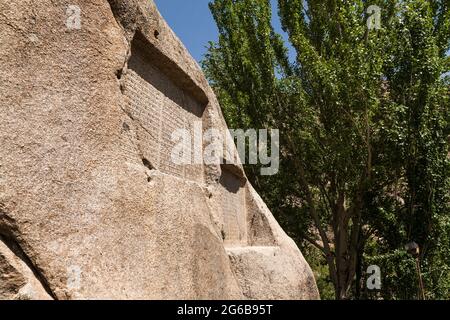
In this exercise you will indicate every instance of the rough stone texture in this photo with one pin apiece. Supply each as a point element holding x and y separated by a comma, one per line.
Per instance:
<point>17,280</point>
<point>89,202</point>
<point>269,273</point>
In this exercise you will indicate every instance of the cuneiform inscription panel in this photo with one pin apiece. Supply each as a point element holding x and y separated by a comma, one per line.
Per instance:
<point>160,107</point>
<point>233,209</point>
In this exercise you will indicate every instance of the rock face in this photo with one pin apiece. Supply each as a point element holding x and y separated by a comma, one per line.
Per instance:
<point>91,205</point>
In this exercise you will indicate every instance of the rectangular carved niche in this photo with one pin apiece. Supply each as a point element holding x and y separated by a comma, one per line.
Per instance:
<point>160,107</point>
<point>233,208</point>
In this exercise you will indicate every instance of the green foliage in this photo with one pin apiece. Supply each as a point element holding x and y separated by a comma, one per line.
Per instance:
<point>365,123</point>
<point>321,273</point>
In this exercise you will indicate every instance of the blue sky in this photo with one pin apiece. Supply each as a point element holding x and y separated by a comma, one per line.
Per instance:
<point>193,23</point>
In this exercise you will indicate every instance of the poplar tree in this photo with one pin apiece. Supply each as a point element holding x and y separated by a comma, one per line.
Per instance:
<point>363,114</point>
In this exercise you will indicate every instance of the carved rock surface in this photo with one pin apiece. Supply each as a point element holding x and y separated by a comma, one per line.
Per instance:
<point>17,279</point>
<point>91,206</point>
